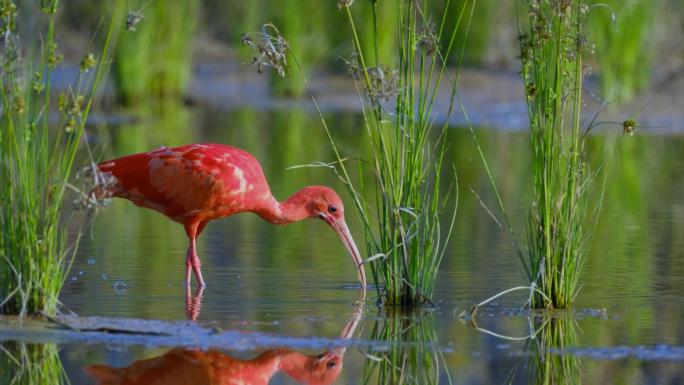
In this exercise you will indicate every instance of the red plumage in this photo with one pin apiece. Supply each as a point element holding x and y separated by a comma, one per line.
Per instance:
<point>196,183</point>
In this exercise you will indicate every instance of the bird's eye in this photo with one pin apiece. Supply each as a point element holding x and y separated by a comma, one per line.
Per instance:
<point>331,364</point>
<point>332,209</point>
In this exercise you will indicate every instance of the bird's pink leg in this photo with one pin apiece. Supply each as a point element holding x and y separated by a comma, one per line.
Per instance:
<point>192,262</point>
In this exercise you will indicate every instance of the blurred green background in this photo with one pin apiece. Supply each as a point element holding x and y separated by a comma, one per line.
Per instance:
<point>630,39</point>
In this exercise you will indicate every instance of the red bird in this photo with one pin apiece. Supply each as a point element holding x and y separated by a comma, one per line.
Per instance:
<point>195,367</point>
<point>196,183</point>
<point>190,366</point>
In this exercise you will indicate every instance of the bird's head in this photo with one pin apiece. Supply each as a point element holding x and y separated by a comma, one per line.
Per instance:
<point>323,202</point>
<point>321,369</point>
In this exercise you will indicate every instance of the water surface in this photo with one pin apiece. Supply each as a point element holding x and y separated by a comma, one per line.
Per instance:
<point>297,281</point>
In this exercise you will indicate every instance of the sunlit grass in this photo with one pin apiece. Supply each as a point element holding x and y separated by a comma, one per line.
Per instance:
<point>551,46</point>
<point>400,211</point>
<point>37,157</point>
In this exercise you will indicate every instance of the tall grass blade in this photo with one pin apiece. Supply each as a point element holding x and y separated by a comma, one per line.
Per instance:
<point>401,211</point>
<point>551,48</point>
<point>37,159</point>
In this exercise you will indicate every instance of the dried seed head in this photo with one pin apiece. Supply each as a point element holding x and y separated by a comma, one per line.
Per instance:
<point>383,81</point>
<point>37,83</point>
<point>61,102</point>
<point>427,41</point>
<point>18,104</point>
<point>94,188</point>
<point>563,7</point>
<point>70,125</point>
<point>629,126</point>
<point>344,3</point>
<point>132,19</point>
<point>352,65</point>
<point>246,40</point>
<point>271,49</point>
<point>384,84</point>
<point>89,61</point>
<point>54,57</point>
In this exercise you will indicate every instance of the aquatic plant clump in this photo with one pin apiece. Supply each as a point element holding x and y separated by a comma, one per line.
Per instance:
<point>401,211</point>
<point>551,49</point>
<point>37,157</point>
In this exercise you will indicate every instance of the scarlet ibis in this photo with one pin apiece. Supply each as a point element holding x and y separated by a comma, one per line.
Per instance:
<point>181,366</point>
<point>196,183</point>
<point>190,366</point>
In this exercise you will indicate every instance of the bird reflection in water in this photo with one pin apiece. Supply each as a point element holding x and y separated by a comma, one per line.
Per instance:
<point>197,367</point>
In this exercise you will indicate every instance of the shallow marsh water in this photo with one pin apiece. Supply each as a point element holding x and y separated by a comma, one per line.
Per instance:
<point>297,281</point>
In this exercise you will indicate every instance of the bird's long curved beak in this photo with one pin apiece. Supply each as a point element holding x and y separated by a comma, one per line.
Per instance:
<point>342,231</point>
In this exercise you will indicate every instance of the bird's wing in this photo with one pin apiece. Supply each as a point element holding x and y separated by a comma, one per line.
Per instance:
<point>212,179</point>
<point>174,181</point>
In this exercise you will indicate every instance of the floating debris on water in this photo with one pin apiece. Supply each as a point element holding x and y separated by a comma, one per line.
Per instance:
<point>120,287</point>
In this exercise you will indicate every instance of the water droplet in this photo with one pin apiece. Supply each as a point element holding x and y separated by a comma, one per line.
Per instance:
<point>74,278</point>
<point>91,261</point>
<point>120,287</point>
<point>80,272</point>
<point>105,276</point>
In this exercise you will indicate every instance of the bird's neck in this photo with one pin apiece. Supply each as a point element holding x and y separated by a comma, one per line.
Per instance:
<point>294,209</point>
<point>295,365</point>
<point>286,360</point>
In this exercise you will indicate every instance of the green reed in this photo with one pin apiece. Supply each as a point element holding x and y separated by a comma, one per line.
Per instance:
<point>153,58</point>
<point>401,218</point>
<point>413,356</point>
<point>621,31</point>
<point>550,364</point>
<point>547,363</point>
<point>551,48</point>
<point>37,157</point>
<point>31,364</point>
